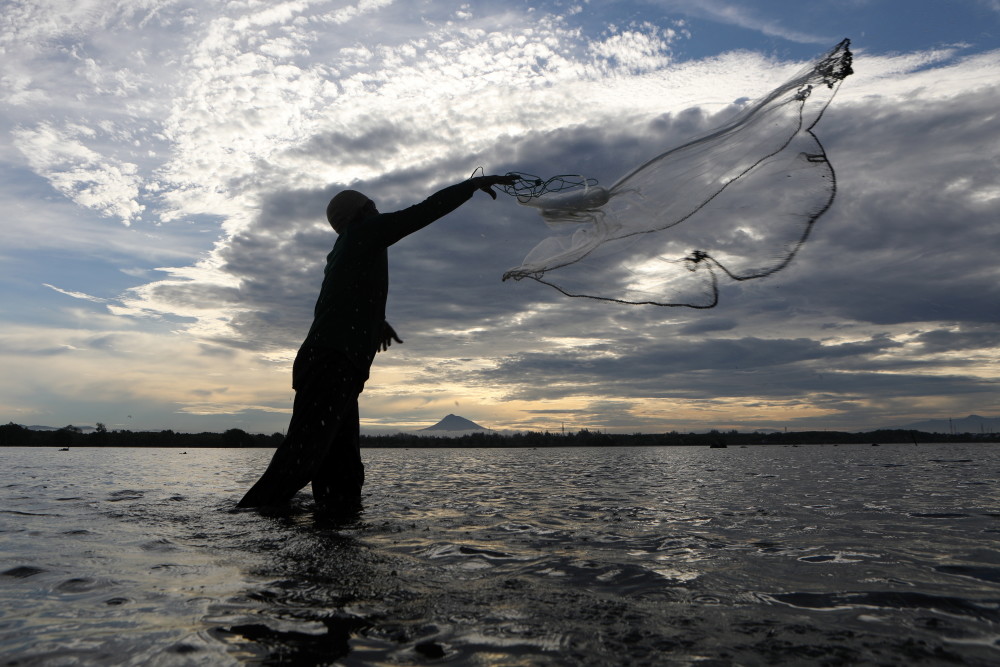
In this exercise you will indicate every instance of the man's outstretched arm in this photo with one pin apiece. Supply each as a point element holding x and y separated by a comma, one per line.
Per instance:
<point>394,226</point>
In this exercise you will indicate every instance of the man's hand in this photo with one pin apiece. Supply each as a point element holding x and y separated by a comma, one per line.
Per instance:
<point>486,183</point>
<point>388,335</point>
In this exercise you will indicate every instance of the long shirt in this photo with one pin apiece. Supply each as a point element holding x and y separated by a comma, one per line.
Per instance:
<point>350,312</point>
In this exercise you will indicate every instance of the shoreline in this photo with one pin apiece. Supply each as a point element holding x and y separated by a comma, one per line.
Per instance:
<point>13,435</point>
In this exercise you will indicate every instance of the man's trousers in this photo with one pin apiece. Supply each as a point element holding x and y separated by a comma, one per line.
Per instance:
<point>322,444</point>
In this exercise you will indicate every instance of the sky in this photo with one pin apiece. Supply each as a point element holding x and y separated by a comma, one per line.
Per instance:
<point>166,166</point>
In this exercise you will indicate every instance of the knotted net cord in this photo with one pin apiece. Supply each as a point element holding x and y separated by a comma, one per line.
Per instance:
<point>745,196</point>
<point>529,186</point>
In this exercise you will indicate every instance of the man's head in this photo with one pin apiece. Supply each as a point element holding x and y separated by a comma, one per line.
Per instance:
<point>348,206</point>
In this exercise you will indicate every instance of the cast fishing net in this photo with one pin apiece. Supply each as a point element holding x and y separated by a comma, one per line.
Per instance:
<point>737,202</point>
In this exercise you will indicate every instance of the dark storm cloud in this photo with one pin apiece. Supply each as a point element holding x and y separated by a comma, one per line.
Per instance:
<point>280,272</point>
<point>853,379</point>
<point>947,340</point>
<point>663,364</point>
<point>669,374</point>
<point>293,211</point>
<point>913,234</point>
<point>708,325</point>
<point>379,140</point>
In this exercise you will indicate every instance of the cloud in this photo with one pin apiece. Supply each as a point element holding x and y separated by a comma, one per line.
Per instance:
<point>77,295</point>
<point>104,184</point>
<point>912,225</point>
<point>105,376</point>
<point>644,50</point>
<point>218,134</point>
<point>740,15</point>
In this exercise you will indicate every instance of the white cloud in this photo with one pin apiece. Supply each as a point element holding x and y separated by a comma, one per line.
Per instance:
<point>76,295</point>
<point>103,183</point>
<point>636,51</point>
<point>346,14</point>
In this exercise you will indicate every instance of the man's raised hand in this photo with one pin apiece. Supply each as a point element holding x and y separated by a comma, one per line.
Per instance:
<point>486,183</point>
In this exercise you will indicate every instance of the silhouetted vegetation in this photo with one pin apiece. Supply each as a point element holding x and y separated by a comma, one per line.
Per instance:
<point>15,435</point>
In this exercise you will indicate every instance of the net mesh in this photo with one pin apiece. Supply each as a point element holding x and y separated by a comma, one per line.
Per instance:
<point>737,202</point>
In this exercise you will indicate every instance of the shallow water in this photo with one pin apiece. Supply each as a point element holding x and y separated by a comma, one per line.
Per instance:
<point>668,556</point>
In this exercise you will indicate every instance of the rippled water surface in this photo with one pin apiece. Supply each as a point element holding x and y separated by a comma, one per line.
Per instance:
<point>673,556</point>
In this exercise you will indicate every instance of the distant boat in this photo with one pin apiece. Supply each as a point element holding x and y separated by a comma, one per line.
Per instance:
<point>64,449</point>
<point>718,445</point>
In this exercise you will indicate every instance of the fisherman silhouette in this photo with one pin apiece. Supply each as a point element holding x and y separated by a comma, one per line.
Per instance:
<point>322,444</point>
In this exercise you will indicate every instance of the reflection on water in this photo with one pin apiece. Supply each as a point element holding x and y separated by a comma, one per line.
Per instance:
<point>761,555</point>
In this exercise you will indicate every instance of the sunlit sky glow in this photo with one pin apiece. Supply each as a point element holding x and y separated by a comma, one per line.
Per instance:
<point>167,163</point>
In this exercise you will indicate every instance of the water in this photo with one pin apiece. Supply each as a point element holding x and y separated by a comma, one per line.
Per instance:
<point>664,556</point>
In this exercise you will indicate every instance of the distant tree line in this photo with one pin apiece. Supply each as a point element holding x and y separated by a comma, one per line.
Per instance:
<point>588,438</point>
<point>15,435</point>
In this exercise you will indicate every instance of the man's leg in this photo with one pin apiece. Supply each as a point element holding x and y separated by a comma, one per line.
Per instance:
<point>337,480</point>
<point>325,391</point>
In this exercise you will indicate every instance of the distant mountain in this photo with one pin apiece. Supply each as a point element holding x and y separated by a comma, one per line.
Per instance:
<point>453,423</point>
<point>970,424</point>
